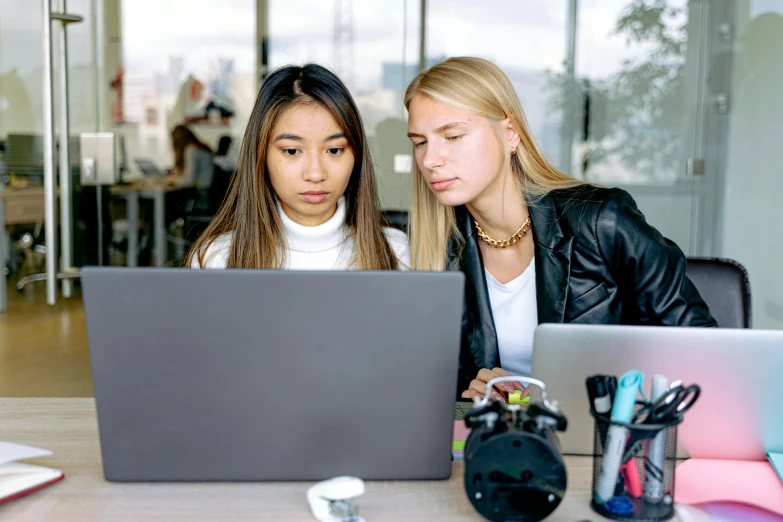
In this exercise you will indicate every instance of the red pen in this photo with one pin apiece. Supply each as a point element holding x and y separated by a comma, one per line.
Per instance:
<point>633,483</point>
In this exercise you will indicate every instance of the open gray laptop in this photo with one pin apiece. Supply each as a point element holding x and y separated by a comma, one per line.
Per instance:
<point>230,375</point>
<point>739,414</point>
<point>148,167</point>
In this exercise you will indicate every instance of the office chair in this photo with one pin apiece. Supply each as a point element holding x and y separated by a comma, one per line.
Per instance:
<point>34,260</point>
<point>725,287</point>
<point>396,219</point>
<point>25,154</point>
<point>193,221</point>
<point>223,145</point>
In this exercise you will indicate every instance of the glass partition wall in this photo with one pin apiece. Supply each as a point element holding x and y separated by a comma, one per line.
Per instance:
<point>673,100</point>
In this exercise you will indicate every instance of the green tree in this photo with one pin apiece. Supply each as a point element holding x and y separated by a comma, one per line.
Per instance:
<point>636,114</point>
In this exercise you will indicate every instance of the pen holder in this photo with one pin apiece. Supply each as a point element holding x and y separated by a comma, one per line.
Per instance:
<point>633,469</point>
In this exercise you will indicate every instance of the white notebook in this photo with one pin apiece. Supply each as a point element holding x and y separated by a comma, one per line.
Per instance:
<point>19,479</point>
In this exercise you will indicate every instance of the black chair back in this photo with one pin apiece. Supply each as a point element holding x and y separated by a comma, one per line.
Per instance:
<point>725,287</point>
<point>396,218</point>
<point>223,145</point>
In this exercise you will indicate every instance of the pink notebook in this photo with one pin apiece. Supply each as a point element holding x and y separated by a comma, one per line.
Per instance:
<point>701,481</point>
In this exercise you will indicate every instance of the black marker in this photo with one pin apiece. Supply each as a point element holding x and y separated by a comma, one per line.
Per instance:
<point>600,391</point>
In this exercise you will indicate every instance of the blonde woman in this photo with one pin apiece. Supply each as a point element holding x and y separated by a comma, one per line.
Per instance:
<point>303,196</point>
<point>536,246</point>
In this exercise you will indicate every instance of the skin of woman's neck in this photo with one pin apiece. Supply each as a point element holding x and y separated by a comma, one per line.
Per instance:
<point>501,209</point>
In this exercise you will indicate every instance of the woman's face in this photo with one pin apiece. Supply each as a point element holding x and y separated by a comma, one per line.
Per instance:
<point>459,153</point>
<point>309,163</point>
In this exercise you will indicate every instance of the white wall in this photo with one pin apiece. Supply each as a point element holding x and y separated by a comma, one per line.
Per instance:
<point>753,227</point>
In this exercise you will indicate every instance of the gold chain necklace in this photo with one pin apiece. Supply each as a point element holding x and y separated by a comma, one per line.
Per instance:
<point>517,236</point>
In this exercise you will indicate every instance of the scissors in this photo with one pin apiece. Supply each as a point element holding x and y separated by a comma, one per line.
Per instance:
<point>670,406</point>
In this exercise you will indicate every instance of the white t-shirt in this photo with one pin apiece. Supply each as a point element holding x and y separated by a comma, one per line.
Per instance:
<point>328,246</point>
<point>516,317</point>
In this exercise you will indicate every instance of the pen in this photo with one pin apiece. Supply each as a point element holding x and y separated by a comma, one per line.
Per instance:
<point>654,458</point>
<point>599,392</point>
<point>622,410</point>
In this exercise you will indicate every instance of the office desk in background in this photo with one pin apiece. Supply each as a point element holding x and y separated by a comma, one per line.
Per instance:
<point>68,427</point>
<point>18,206</point>
<point>157,193</point>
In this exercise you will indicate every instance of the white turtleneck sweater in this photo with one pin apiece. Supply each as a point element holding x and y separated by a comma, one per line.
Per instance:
<point>328,246</point>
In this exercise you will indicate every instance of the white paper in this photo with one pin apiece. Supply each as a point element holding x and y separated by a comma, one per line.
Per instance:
<point>10,452</point>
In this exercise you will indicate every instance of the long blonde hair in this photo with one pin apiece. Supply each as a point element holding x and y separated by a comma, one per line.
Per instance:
<point>478,86</point>
<point>249,212</point>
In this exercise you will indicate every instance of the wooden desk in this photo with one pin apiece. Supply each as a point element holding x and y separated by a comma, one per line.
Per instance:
<point>68,427</point>
<point>22,205</point>
<point>17,206</point>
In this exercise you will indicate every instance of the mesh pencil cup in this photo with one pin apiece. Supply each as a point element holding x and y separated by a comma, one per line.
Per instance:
<point>633,469</point>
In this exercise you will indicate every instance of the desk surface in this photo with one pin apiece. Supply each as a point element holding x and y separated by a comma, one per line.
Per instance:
<point>8,192</point>
<point>68,427</point>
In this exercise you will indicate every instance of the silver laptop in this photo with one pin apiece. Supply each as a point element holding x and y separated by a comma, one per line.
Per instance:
<point>739,414</point>
<point>233,375</point>
<point>148,167</point>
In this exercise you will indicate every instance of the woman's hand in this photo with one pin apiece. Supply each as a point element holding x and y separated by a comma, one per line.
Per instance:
<point>478,386</point>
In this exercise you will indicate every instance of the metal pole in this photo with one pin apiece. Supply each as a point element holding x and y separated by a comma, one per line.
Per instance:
<point>66,226</point>
<point>159,232</point>
<point>571,38</point>
<point>567,128</point>
<point>133,228</point>
<point>262,41</point>
<point>423,37</point>
<point>4,245</point>
<point>50,183</point>
<point>3,255</point>
<point>98,60</point>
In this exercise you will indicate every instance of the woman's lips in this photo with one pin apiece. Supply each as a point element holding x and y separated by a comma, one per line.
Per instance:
<point>314,196</point>
<point>442,184</point>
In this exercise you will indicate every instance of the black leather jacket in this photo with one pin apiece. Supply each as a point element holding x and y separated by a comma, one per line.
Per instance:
<point>597,261</point>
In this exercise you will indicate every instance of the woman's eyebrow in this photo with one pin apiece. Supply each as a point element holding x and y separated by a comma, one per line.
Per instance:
<point>287,136</point>
<point>335,136</point>
<point>442,128</point>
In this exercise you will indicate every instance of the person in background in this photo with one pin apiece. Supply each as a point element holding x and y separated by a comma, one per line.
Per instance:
<point>193,166</point>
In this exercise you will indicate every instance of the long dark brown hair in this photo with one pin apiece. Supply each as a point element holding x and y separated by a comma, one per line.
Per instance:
<point>181,137</point>
<point>249,211</point>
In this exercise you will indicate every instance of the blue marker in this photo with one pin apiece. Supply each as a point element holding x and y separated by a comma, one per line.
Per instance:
<point>630,384</point>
